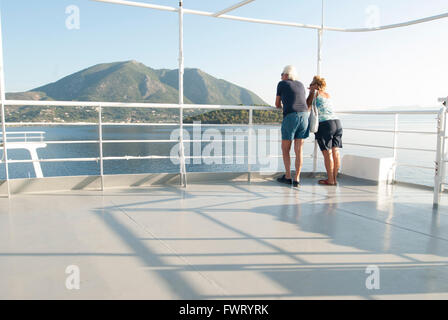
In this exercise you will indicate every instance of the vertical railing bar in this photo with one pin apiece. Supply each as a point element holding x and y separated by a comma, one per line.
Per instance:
<point>249,146</point>
<point>395,136</point>
<point>100,134</point>
<point>442,164</point>
<point>442,173</point>
<point>395,148</point>
<point>3,98</point>
<point>315,155</point>
<point>439,163</point>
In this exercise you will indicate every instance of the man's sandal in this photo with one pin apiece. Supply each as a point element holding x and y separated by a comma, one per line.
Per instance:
<point>283,179</point>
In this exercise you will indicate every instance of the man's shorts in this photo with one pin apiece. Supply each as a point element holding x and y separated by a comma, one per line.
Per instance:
<point>295,126</point>
<point>329,135</point>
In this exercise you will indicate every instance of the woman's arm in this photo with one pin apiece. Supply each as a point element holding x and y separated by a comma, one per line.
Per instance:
<point>309,100</point>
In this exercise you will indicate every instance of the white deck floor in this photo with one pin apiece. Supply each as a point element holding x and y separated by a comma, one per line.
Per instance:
<point>231,240</point>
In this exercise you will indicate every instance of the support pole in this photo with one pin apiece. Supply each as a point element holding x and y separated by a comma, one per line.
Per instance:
<point>320,33</point>
<point>440,156</point>
<point>249,145</point>
<point>319,51</point>
<point>3,98</point>
<point>183,170</point>
<point>36,164</point>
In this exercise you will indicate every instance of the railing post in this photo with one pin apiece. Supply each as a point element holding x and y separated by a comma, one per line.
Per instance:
<point>183,168</point>
<point>395,148</point>
<point>440,156</point>
<point>100,135</point>
<point>3,98</point>
<point>5,149</point>
<point>315,151</point>
<point>249,145</point>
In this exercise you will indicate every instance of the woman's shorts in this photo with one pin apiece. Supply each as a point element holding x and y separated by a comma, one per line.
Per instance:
<point>329,135</point>
<point>295,126</point>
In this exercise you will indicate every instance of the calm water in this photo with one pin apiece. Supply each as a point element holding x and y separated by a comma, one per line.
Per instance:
<point>65,133</point>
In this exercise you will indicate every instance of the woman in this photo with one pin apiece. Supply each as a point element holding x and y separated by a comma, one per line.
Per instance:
<point>329,135</point>
<point>291,97</point>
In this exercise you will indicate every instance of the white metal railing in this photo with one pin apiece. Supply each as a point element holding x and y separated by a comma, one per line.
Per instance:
<point>28,140</point>
<point>100,141</point>
<point>26,136</point>
<point>396,132</point>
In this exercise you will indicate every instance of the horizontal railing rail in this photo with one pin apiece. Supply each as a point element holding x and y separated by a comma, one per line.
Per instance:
<point>129,105</point>
<point>26,136</point>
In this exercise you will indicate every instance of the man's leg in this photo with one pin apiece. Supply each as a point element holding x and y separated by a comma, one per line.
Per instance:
<point>298,149</point>
<point>286,148</point>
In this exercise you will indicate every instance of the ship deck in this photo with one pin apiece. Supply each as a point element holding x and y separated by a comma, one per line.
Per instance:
<point>226,240</point>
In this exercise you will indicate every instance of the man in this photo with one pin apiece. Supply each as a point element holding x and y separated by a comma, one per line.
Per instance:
<point>291,97</point>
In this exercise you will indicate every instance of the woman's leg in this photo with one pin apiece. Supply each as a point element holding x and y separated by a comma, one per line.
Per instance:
<point>298,147</point>
<point>286,148</point>
<point>328,158</point>
<point>336,163</point>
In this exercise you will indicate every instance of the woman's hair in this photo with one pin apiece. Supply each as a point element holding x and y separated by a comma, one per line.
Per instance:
<point>321,83</point>
<point>291,72</point>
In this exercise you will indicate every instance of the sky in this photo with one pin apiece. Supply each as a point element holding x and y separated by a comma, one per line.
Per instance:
<point>405,67</point>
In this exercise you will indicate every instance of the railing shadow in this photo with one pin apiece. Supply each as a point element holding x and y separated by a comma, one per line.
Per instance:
<point>319,244</point>
<point>370,240</point>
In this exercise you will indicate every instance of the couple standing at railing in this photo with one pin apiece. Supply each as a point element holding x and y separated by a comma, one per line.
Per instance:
<point>296,125</point>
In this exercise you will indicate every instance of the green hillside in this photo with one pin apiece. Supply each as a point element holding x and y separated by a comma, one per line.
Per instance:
<point>129,81</point>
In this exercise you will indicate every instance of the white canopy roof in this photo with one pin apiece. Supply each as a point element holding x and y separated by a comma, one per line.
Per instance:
<point>222,14</point>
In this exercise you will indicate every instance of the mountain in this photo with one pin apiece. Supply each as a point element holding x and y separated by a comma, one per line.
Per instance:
<point>202,88</point>
<point>131,81</point>
<point>30,95</point>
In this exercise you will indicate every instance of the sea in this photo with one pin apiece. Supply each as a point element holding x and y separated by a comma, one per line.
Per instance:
<point>223,149</point>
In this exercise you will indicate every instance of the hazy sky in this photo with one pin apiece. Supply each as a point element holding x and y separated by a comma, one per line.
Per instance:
<point>400,67</point>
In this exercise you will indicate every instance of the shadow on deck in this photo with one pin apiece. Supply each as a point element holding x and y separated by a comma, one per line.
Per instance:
<point>231,240</point>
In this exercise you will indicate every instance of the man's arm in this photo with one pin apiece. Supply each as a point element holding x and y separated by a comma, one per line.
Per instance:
<point>278,102</point>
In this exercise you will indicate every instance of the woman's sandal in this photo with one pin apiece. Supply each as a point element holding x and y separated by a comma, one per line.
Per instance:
<point>326,183</point>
